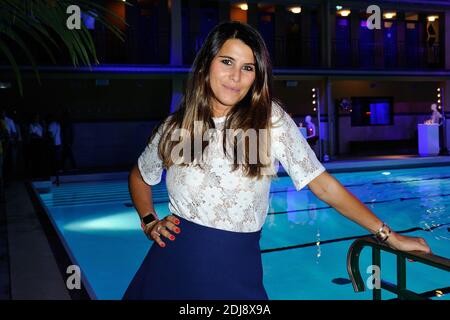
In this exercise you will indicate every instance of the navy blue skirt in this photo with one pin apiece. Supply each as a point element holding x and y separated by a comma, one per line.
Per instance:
<point>202,263</point>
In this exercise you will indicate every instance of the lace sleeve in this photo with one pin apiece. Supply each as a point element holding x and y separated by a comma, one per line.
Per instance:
<point>149,162</point>
<point>292,150</point>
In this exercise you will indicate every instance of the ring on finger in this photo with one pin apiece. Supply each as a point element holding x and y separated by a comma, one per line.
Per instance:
<point>157,230</point>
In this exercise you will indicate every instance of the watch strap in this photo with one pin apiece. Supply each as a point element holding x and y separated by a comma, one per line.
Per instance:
<point>149,218</point>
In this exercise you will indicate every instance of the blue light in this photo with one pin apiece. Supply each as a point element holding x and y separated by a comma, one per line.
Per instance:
<point>127,221</point>
<point>386,173</point>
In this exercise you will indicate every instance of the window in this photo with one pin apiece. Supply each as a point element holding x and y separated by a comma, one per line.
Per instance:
<point>371,111</point>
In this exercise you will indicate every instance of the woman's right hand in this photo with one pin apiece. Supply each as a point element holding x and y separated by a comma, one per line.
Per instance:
<point>160,228</point>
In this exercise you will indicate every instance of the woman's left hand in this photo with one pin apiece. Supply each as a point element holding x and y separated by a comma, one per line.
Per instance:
<point>404,243</point>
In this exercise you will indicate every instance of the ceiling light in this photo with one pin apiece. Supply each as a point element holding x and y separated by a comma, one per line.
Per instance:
<point>295,10</point>
<point>243,6</point>
<point>389,15</point>
<point>344,13</point>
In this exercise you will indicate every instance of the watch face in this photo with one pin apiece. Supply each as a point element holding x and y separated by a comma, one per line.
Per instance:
<point>148,218</point>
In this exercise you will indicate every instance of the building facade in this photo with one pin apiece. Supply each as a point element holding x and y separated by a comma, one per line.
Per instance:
<point>373,85</point>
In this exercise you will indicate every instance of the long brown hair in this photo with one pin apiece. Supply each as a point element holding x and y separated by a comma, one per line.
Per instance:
<point>252,112</point>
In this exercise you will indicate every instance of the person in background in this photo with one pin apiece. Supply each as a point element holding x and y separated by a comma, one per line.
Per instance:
<point>436,116</point>
<point>36,147</point>
<point>54,132</point>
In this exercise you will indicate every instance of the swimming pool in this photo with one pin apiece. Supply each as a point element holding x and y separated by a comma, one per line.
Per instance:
<point>304,255</point>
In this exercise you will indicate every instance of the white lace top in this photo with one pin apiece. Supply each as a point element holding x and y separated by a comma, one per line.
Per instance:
<point>217,197</point>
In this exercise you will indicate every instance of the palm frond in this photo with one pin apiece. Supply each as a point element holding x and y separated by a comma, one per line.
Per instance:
<point>45,22</point>
<point>4,48</point>
<point>18,39</point>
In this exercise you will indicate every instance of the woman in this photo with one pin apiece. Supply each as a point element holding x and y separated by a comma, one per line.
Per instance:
<point>218,192</point>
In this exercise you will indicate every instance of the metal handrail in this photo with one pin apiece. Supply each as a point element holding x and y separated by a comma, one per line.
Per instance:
<point>400,288</point>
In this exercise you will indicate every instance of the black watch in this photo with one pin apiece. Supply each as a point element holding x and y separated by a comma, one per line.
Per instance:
<point>148,218</point>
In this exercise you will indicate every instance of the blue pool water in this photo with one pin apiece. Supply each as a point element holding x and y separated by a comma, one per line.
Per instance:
<point>102,232</point>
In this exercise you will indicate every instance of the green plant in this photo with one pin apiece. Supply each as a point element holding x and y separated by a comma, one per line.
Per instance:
<point>45,22</point>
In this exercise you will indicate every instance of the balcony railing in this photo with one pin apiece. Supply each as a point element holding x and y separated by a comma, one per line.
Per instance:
<point>377,55</point>
<point>288,51</point>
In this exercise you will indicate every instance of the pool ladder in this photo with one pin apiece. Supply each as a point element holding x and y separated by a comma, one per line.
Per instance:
<point>400,288</point>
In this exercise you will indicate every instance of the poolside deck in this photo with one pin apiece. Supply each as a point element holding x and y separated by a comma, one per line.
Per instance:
<point>28,267</point>
<point>34,273</point>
